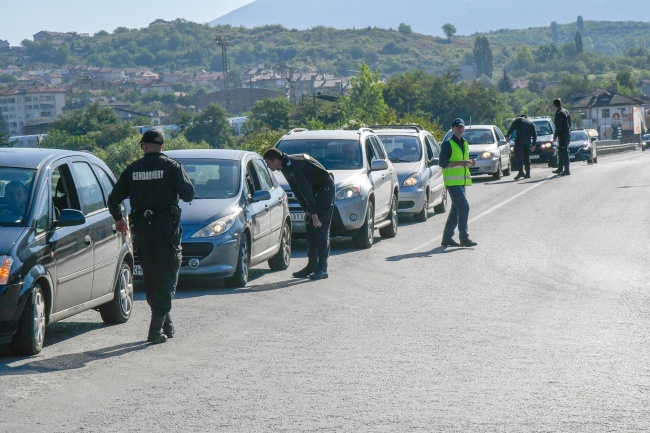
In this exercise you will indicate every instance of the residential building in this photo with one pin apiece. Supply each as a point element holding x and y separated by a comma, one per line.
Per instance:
<point>611,113</point>
<point>22,106</point>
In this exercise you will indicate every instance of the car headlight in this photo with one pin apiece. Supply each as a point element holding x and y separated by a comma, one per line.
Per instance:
<point>412,180</point>
<point>586,147</point>
<point>487,155</point>
<point>348,192</point>
<point>546,145</point>
<point>217,227</point>
<point>5,269</point>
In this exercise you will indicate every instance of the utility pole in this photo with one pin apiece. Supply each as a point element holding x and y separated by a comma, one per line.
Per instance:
<point>223,42</point>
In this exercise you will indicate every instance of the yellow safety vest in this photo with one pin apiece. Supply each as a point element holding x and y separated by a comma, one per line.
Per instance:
<point>457,176</point>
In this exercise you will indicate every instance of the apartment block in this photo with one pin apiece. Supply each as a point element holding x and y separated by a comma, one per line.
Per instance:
<point>22,106</point>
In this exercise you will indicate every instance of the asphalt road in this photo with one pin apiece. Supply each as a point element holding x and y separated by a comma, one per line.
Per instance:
<point>543,327</point>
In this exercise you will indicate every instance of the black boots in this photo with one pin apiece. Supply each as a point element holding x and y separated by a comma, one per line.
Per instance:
<point>168,326</point>
<point>321,272</point>
<point>156,335</point>
<point>312,264</point>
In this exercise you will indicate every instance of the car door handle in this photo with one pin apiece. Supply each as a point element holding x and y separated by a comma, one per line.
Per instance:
<point>114,229</point>
<point>266,207</point>
<point>88,240</point>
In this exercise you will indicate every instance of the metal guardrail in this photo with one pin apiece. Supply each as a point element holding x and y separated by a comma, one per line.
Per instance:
<point>604,147</point>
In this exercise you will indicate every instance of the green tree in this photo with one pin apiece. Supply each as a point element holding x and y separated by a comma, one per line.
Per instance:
<point>404,29</point>
<point>554,33</point>
<point>505,85</point>
<point>577,40</point>
<point>449,30</point>
<point>625,78</point>
<point>483,56</point>
<point>272,113</point>
<point>365,103</point>
<point>212,127</point>
<point>581,25</point>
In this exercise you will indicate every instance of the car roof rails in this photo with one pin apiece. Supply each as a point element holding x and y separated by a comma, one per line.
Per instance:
<point>414,126</point>
<point>294,130</point>
<point>365,129</point>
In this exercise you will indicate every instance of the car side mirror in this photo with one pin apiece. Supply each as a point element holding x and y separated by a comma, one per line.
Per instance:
<point>434,161</point>
<point>69,217</point>
<point>378,164</point>
<point>261,196</point>
<point>502,142</point>
<point>592,138</point>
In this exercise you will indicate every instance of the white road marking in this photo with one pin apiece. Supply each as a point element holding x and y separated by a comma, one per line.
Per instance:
<point>437,239</point>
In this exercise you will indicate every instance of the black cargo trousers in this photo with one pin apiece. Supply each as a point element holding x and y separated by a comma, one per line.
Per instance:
<point>158,244</point>
<point>318,238</point>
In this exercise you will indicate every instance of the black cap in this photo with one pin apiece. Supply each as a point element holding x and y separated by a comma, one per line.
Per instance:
<point>152,136</point>
<point>458,122</point>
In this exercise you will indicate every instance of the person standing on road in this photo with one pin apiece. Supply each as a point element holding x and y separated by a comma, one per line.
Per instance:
<point>525,141</point>
<point>313,187</point>
<point>455,163</point>
<point>154,184</point>
<point>563,136</point>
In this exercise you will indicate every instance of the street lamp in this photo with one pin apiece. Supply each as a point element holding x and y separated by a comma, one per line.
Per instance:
<point>223,42</point>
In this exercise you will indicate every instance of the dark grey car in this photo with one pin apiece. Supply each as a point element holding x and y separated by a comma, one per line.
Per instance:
<point>239,216</point>
<point>60,253</point>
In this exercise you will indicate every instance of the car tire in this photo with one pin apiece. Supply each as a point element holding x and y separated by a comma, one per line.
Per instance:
<point>442,207</point>
<point>365,236</point>
<point>513,165</point>
<point>30,336</point>
<point>554,162</point>
<point>423,215</point>
<point>281,260</point>
<point>508,170</point>
<point>595,160</point>
<point>390,231</point>
<point>118,309</point>
<point>497,175</point>
<point>240,277</point>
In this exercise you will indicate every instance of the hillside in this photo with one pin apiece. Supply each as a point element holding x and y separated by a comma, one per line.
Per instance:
<point>428,16</point>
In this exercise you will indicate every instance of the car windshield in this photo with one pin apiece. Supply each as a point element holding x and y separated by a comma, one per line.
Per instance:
<point>332,154</point>
<point>15,189</point>
<point>578,135</point>
<point>478,136</point>
<point>213,178</point>
<point>543,128</point>
<point>402,148</point>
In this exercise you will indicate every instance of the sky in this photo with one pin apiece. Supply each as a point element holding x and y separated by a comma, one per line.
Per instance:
<point>21,20</point>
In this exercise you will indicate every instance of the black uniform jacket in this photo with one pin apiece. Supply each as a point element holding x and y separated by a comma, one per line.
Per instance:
<point>153,182</point>
<point>526,133</point>
<point>562,124</point>
<point>307,179</point>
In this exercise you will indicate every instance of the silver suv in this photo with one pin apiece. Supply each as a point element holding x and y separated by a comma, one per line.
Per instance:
<point>415,154</point>
<point>367,190</point>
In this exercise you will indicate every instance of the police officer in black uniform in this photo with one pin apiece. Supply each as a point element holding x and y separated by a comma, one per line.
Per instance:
<point>313,187</point>
<point>563,137</point>
<point>154,184</point>
<point>525,138</point>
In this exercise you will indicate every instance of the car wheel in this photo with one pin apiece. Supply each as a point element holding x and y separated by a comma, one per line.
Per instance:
<point>513,165</point>
<point>240,277</point>
<point>507,171</point>
<point>423,215</point>
<point>118,310</point>
<point>30,336</point>
<point>390,231</point>
<point>554,162</point>
<point>497,175</point>
<point>281,260</point>
<point>442,207</point>
<point>365,236</point>
<point>595,160</point>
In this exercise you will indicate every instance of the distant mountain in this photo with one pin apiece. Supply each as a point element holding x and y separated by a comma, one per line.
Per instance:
<point>428,16</point>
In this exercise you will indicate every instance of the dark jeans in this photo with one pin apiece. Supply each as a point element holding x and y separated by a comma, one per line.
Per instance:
<point>563,154</point>
<point>522,157</point>
<point>160,257</point>
<point>458,214</point>
<point>318,238</point>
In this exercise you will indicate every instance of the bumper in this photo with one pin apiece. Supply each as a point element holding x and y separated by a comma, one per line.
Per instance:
<point>11,307</point>
<point>216,259</point>
<point>485,166</point>
<point>411,200</point>
<point>348,216</point>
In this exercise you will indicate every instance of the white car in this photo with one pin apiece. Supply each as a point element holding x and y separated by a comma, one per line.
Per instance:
<point>489,147</point>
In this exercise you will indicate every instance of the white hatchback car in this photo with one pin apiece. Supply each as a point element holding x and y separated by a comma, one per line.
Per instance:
<point>489,147</point>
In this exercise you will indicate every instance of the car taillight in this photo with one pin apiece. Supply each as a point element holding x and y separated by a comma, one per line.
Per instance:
<point>5,269</point>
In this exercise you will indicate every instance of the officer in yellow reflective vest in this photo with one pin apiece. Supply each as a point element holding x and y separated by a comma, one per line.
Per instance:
<point>455,163</point>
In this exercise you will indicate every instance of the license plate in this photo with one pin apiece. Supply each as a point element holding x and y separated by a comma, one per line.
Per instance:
<point>297,216</point>
<point>534,156</point>
<point>137,270</point>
